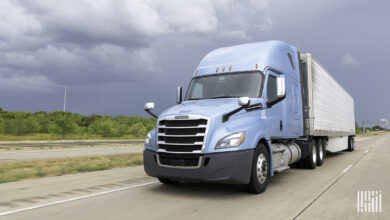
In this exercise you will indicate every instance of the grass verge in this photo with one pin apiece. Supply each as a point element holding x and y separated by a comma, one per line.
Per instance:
<point>15,171</point>
<point>11,148</point>
<point>48,136</point>
<point>373,133</point>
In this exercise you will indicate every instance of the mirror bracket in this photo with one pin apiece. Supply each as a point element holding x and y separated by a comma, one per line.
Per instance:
<point>148,108</point>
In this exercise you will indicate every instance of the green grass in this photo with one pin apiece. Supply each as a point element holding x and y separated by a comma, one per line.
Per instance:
<point>373,133</point>
<point>48,136</point>
<point>16,171</point>
<point>13,148</point>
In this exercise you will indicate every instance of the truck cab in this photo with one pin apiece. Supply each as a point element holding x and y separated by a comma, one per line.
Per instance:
<point>240,120</point>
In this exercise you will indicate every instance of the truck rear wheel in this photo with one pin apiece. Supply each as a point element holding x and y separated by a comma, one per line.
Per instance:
<point>167,181</point>
<point>351,144</point>
<point>260,171</point>
<point>310,162</point>
<point>320,152</point>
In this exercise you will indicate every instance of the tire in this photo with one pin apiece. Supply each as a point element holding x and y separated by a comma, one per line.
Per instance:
<point>260,171</point>
<point>321,152</point>
<point>310,162</point>
<point>351,144</point>
<point>167,181</point>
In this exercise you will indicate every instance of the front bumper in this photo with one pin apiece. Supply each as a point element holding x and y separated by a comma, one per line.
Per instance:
<point>227,167</point>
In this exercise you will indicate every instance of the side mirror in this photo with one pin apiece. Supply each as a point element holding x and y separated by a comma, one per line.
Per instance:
<point>281,87</point>
<point>148,107</point>
<point>244,101</point>
<point>179,97</point>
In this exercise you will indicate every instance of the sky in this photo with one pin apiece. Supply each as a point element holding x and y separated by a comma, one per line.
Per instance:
<point>115,55</point>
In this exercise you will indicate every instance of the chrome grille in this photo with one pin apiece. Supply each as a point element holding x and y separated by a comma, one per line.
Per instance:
<point>182,134</point>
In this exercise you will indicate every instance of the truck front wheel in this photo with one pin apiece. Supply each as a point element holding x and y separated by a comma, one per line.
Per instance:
<point>260,171</point>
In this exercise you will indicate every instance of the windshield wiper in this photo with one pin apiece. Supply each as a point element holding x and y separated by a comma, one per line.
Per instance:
<point>192,99</point>
<point>221,97</point>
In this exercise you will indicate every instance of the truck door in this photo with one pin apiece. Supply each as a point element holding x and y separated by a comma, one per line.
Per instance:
<point>274,114</point>
<point>293,118</point>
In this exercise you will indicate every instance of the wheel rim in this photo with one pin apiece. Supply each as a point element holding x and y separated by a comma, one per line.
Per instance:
<point>314,154</point>
<point>262,168</point>
<point>321,149</point>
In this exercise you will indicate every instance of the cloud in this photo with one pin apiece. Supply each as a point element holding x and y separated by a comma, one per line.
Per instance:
<point>348,59</point>
<point>89,42</point>
<point>266,26</point>
<point>24,83</point>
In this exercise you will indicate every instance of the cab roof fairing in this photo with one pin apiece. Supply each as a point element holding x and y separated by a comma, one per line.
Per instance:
<point>244,57</point>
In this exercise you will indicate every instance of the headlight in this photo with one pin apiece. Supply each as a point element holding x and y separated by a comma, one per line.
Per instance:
<point>232,140</point>
<point>149,140</point>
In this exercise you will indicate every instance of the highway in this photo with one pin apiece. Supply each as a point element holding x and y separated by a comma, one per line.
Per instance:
<point>328,192</point>
<point>42,154</point>
<point>64,143</point>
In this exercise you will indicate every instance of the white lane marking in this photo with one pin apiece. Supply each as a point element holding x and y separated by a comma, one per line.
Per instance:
<point>73,199</point>
<point>346,169</point>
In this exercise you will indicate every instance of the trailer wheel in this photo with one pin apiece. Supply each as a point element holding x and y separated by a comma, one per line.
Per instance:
<point>310,161</point>
<point>320,152</point>
<point>260,171</point>
<point>351,143</point>
<point>167,181</point>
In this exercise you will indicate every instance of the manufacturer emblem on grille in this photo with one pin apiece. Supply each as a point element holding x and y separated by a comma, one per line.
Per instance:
<point>181,117</point>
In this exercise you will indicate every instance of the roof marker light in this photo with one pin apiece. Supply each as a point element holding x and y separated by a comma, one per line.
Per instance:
<point>196,73</point>
<point>230,68</point>
<point>217,69</point>
<point>257,65</point>
<point>223,69</point>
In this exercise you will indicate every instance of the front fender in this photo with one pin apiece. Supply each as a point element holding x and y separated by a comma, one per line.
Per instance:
<point>153,132</point>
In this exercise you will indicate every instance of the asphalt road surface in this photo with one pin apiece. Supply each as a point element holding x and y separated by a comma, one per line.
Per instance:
<point>23,155</point>
<point>64,143</point>
<point>328,192</point>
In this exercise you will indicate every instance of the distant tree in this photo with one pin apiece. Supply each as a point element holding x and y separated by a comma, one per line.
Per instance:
<point>377,128</point>
<point>358,129</point>
<point>90,118</point>
<point>63,125</point>
<point>2,127</point>
<point>21,123</point>
<point>105,127</point>
<point>138,130</point>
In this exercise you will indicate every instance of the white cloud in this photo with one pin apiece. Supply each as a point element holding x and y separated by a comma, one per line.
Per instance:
<point>266,26</point>
<point>348,59</point>
<point>26,83</point>
<point>93,42</point>
<point>234,34</point>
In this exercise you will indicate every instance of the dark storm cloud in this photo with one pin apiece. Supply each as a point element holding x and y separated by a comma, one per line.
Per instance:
<point>115,55</point>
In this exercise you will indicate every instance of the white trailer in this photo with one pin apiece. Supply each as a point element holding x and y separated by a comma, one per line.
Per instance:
<point>328,109</point>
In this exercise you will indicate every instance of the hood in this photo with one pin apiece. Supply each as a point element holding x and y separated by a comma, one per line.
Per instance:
<point>207,107</point>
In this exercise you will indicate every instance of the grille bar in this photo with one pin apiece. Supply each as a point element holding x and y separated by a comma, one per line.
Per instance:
<point>181,135</point>
<point>184,133</point>
<point>183,127</point>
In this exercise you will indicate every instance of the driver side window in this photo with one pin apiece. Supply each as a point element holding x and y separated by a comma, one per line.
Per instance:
<point>271,88</point>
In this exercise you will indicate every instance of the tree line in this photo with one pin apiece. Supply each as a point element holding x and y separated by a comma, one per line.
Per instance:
<point>359,130</point>
<point>65,123</point>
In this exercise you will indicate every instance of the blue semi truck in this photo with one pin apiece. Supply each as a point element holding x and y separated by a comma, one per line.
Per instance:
<point>250,111</point>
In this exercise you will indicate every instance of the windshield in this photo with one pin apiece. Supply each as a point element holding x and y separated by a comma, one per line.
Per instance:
<point>232,85</point>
